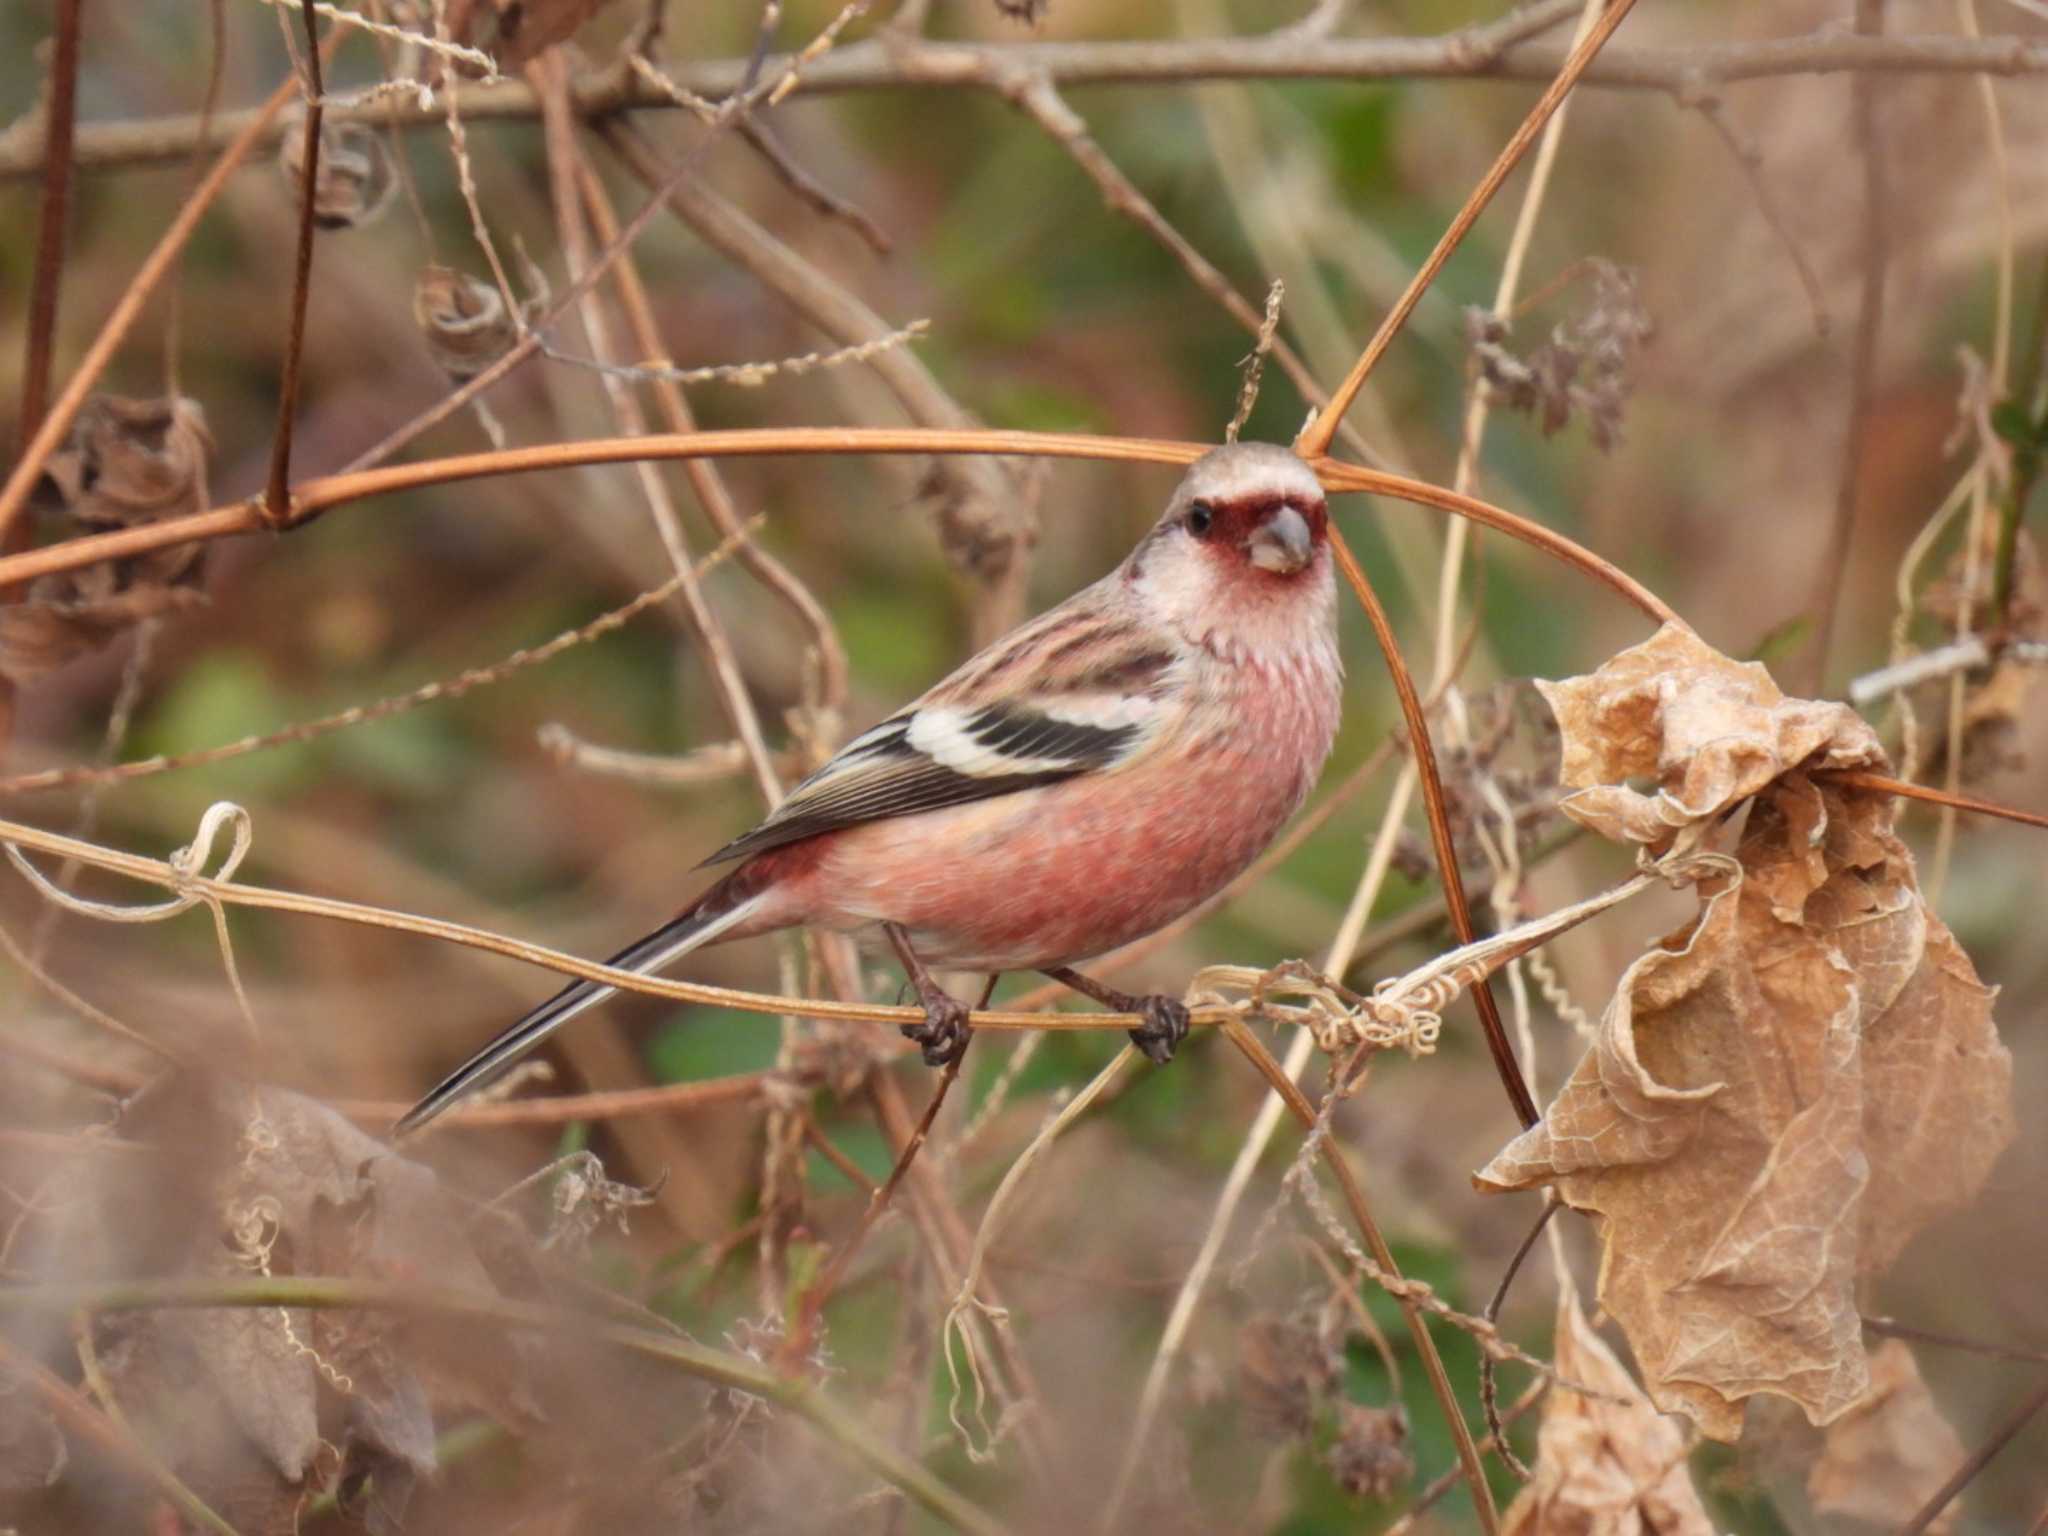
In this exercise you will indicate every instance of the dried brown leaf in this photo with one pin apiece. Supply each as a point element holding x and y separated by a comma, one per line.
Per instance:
<point>250,1401</point>
<point>124,463</point>
<point>1783,1093</point>
<point>1584,368</point>
<point>1890,1451</point>
<point>45,631</point>
<point>1604,1467</point>
<point>1710,732</point>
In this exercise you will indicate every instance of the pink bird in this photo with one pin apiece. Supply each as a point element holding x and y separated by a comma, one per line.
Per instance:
<point>1081,783</point>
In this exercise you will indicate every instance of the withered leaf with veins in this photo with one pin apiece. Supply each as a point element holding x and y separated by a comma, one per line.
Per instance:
<point>1788,1088</point>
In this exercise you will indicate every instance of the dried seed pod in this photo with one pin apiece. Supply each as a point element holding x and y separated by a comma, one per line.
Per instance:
<point>128,461</point>
<point>464,320</point>
<point>1369,1455</point>
<point>125,462</point>
<point>1585,367</point>
<point>354,181</point>
<point>54,625</point>
<point>1285,1368</point>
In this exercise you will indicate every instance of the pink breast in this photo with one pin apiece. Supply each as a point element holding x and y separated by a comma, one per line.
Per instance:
<point>1057,874</point>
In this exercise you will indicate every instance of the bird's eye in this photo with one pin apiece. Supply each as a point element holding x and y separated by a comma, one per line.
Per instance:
<point>1200,516</point>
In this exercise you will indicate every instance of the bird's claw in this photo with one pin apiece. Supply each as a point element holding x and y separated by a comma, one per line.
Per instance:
<point>943,1034</point>
<point>1165,1026</point>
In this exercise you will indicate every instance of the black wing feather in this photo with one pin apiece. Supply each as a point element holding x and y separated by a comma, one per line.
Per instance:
<point>880,774</point>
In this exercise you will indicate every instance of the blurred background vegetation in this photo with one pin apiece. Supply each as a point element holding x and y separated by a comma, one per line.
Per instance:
<point>1047,311</point>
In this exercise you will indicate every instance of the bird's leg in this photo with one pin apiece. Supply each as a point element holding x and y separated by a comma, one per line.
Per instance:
<point>944,1033</point>
<point>1166,1018</point>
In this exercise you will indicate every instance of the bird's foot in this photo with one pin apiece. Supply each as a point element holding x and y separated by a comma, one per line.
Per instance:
<point>944,1032</point>
<point>1165,1026</point>
<point>1166,1018</point>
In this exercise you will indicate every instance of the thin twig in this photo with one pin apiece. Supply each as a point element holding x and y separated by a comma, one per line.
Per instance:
<point>192,887</point>
<point>1832,570</point>
<point>1892,1328</point>
<point>559,1109</point>
<point>1750,161</point>
<point>985,522</point>
<point>1487,1395</point>
<point>1445,1482</point>
<point>53,222</point>
<point>1483,53</point>
<point>1041,101</point>
<point>700,765</point>
<point>78,1005</point>
<point>1497,1042</point>
<point>749,91</point>
<point>798,1342</point>
<point>1856,779</point>
<point>440,690</point>
<point>1315,439</point>
<point>1976,1462</point>
<point>1411,1308</point>
<point>128,308</point>
<point>68,1406</point>
<point>209,104</point>
<point>343,17</point>
<point>716,647</point>
<point>751,375</point>
<point>828,1149</point>
<point>706,481</point>
<point>321,495</point>
<point>278,490</point>
<point>808,189</point>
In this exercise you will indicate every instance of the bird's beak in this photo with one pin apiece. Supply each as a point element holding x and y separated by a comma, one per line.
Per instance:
<point>1281,543</point>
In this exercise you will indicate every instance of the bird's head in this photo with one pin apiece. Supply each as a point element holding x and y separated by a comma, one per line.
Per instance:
<point>1245,538</point>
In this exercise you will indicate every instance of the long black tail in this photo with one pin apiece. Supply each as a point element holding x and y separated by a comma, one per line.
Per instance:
<point>672,941</point>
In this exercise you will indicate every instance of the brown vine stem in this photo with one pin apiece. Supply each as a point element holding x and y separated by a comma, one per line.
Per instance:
<point>324,494</point>
<point>1478,53</point>
<point>1316,437</point>
<point>557,1109</point>
<point>14,495</point>
<point>1856,779</point>
<point>1354,1197</point>
<point>798,1342</point>
<point>749,90</point>
<point>1497,1043</point>
<point>710,489</point>
<point>836,1424</point>
<point>278,494</point>
<point>1830,574</point>
<point>1976,1462</point>
<point>234,893</point>
<point>69,1407</point>
<point>1339,476</point>
<point>60,118</point>
<point>1892,1328</point>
